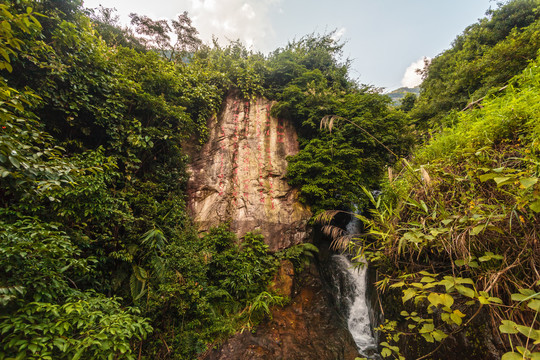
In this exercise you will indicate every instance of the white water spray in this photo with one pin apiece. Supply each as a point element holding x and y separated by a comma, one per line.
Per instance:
<point>350,284</point>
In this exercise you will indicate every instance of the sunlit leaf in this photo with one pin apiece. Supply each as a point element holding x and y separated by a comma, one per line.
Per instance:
<point>477,229</point>
<point>408,294</point>
<point>428,337</point>
<point>426,328</point>
<point>508,327</point>
<point>512,356</point>
<point>438,335</point>
<point>456,318</point>
<point>434,299</point>
<point>535,206</point>
<point>502,180</point>
<point>535,305</point>
<point>528,182</point>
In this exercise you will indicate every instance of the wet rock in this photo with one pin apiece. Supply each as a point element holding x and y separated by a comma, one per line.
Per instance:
<point>239,177</point>
<point>283,281</point>
<point>307,328</point>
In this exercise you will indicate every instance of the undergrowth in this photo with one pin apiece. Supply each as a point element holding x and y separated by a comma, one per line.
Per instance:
<point>456,231</point>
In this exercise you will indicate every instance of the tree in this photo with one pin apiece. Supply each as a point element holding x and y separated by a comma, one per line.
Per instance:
<point>186,35</point>
<point>408,101</point>
<point>158,34</point>
<point>108,26</point>
<point>155,33</point>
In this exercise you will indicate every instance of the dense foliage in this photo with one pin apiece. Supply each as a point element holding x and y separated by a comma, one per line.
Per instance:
<point>365,134</point>
<point>463,234</point>
<point>482,59</point>
<point>99,258</point>
<point>40,261</point>
<point>454,234</point>
<point>308,81</point>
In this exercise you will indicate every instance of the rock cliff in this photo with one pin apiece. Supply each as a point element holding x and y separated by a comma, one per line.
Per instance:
<point>308,328</point>
<point>239,175</point>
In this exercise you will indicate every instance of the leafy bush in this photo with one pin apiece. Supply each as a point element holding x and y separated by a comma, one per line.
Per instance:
<point>86,326</point>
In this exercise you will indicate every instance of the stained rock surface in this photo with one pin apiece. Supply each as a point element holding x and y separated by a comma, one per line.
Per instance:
<point>239,175</point>
<point>308,328</point>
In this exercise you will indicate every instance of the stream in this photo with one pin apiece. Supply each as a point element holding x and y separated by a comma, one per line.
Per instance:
<point>349,285</point>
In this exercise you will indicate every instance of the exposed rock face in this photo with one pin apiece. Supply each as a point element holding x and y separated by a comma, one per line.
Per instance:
<point>307,328</point>
<point>238,175</point>
<point>283,283</point>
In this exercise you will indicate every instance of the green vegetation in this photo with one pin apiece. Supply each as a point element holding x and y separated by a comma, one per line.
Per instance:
<point>464,226</point>
<point>366,135</point>
<point>99,258</point>
<point>400,94</point>
<point>309,81</point>
<point>455,234</point>
<point>482,59</point>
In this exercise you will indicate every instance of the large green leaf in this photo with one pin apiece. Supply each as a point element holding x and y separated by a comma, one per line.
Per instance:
<point>528,182</point>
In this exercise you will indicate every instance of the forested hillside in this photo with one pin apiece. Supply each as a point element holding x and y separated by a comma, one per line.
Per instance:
<point>481,60</point>
<point>454,234</point>
<point>99,258</point>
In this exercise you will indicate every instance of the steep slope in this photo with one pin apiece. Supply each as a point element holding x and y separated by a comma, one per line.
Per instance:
<point>308,328</point>
<point>457,231</point>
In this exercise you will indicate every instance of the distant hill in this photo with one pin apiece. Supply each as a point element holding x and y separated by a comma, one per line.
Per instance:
<point>398,94</point>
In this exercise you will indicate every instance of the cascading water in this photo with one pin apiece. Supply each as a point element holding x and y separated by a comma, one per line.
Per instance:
<point>349,285</point>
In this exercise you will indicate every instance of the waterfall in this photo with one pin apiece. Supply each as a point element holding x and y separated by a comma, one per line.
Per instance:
<point>349,291</point>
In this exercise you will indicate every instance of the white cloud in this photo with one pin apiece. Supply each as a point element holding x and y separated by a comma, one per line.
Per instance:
<point>207,5</point>
<point>248,11</point>
<point>339,34</point>
<point>411,78</point>
<point>247,20</point>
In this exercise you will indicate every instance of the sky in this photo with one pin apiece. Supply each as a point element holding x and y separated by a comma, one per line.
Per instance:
<point>386,40</point>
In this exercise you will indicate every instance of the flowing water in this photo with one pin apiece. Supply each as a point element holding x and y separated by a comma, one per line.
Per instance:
<point>349,291</point>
